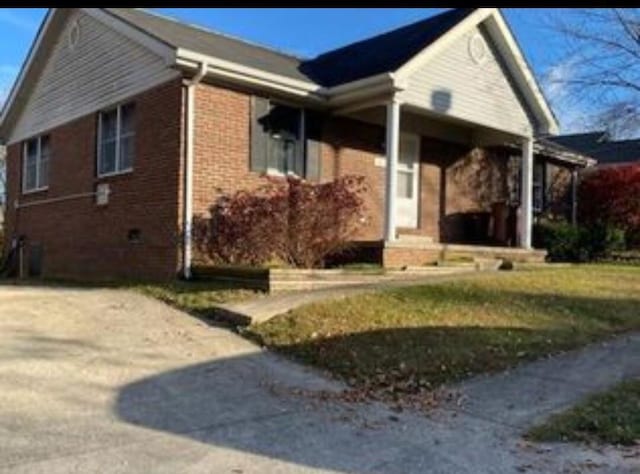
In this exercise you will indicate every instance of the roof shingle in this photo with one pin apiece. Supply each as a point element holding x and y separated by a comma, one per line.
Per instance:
<point>382,53</point>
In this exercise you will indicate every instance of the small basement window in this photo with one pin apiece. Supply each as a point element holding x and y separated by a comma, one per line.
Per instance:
<point>116,140</point>
<point>36,154</point>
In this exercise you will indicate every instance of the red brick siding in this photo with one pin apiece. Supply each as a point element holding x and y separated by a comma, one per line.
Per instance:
<point>222,161</point>
<point>221,146</point>
<point>81,239</point>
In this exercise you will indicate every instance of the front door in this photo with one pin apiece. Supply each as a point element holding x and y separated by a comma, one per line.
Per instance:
<point>408,192</point>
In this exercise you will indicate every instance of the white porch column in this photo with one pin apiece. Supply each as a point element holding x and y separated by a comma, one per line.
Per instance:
<point>526,190</point>
<point>392,144</point>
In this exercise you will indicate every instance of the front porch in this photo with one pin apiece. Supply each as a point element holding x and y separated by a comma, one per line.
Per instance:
<point>448,188</point>
<point>405,252</point>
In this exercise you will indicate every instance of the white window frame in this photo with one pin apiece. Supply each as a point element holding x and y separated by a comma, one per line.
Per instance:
<point>118,140</point>
<point>25,145</point>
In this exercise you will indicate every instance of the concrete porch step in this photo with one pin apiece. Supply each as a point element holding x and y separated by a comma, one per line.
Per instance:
<point>414,239</point>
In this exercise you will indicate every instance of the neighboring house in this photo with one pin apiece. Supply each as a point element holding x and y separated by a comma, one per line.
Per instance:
<point>124,125</point>
<point>600,146</point>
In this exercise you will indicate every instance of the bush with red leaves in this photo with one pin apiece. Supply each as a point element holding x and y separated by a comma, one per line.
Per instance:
<point>612,196</point>
<point>287,220</point>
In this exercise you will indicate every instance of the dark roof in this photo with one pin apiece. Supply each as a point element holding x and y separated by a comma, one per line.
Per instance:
<point>580,141</point>
<point>197,39</point>
<point>598,146</point>
<point>382,53</point>
<point>379,54</point>
<point>547,147</point>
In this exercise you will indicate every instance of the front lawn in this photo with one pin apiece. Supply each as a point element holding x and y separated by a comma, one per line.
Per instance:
<point>196,297</point>
<point>612,417</point>
<point>410,339</point>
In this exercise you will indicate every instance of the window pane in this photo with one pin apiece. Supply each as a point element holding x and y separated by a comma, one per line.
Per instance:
<point>284,131</point>
<point>277,155</point>
<point>108,125</point>
<point>538,190</point>
<point>30,176</point>
<point>108,157</point>
<point>127,119</point>
<point>107,144</point>
<point>405,184</point>
<point>31,163</point>
<point>45,153</point>
<point>285,121</point>
<point>127,152</point>
<point>44,172</point>
<point>32,151</point>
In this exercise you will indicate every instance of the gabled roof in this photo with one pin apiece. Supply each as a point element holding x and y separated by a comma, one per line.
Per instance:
<point>379,54</point>
<point>382,61</point>
<point>194,38</point>
<point>382,53</point>
<point>599,146</point>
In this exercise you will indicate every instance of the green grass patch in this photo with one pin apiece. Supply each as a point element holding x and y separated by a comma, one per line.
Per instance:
<point>427,335</point>
<point>612,417</point>
<point>196,297</point>
<point>366,268</point>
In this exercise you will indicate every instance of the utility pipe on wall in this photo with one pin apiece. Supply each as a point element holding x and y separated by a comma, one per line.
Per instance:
<point>188,168</point>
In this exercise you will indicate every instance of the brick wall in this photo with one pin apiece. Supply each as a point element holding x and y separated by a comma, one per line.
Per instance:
<point>222,154</point>
<point>80,239</point>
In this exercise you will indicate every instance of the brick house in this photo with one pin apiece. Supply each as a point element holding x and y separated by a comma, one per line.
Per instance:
<point>123,125</point>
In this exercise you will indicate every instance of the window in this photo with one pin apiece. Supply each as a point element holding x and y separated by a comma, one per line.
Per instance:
<point>538,186</point>
<point>37,152</point>
<point>285,146</point>
<point>116,140</point>
<point>284,139</point>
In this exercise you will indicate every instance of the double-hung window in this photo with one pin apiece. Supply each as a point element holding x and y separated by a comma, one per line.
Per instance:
<point>36,154</point>
<point>116,140</point>
<point>284,139</point>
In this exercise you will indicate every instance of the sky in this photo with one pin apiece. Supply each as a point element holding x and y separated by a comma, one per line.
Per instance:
<point>310,31</point>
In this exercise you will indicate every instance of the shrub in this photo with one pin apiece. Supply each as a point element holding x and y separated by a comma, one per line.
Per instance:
<point>568,243</point>
<point>611,196</point>
<point>292,221</point>
<point>599,240</point>
<point>560,239</point>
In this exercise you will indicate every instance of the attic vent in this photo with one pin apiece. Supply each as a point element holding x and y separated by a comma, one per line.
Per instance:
<point>477,49</point>
<point>74,35</point>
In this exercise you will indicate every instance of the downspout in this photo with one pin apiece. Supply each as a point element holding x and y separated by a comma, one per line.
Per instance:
<point>188,169</point>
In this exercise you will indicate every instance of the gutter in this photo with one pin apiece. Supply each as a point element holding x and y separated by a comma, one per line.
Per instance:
<point>246,75</point>
<point>188,168</point>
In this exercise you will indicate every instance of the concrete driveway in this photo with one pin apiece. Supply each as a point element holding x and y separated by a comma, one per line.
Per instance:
<point>109,381</point>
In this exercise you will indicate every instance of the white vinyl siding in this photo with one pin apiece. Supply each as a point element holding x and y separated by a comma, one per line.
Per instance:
<point>452,83</point>
<point>35,169</point>
<point>103,68</point>
<point>116,140</point>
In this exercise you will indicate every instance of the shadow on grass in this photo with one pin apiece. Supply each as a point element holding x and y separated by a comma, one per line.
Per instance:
<point>408,345</point>
<point>227,403</point>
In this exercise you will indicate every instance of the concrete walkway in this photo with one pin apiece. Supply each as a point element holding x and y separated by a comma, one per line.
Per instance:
<point>262,309</point>
<point>106,381</point>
